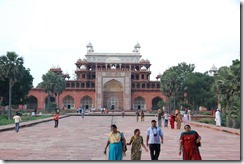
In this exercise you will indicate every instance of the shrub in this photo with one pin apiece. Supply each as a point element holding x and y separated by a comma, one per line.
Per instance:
<point>204,112</point>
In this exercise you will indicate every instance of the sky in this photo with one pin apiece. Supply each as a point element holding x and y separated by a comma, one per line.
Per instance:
<point>54,33</point>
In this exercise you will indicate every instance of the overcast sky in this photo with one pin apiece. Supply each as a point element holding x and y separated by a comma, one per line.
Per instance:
<point>51,33</point>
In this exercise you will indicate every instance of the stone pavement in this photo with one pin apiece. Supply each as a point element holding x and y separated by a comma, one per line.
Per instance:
<point>85,139</point>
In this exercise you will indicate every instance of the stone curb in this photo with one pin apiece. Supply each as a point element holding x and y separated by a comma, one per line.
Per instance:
<point>28,123</point>
<point>223,129</point>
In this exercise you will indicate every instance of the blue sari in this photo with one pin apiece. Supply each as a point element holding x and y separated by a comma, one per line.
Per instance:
<point>115,150</point>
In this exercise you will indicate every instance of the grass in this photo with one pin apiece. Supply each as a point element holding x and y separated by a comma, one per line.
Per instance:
<point>26,115</point>
<point>204,112</point>
<point>207,121</point>
<point>4,118</point>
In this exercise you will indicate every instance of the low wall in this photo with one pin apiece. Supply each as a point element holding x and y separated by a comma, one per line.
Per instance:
<point>199,117</point>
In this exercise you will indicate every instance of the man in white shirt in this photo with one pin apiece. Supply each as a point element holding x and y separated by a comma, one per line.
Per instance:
<point>217,118</point>
<point>17,120</point>
<point>154,133</point>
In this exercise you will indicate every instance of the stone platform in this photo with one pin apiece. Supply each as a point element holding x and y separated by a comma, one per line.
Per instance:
<point>85,139</point>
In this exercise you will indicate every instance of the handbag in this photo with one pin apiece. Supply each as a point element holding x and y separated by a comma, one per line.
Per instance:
<point>199,143</point>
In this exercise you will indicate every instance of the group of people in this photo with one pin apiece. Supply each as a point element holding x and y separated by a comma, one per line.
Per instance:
<point>138,115</point>
<point>189,141</point>
<point>163,116</point>
<point>188,148</point>
<point>179,117</point>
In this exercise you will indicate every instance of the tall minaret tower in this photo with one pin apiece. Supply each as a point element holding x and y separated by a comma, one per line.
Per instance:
<point>89,48</point>
<point>137,48</point>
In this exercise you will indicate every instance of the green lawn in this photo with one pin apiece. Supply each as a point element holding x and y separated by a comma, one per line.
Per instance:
<point>4,119</point>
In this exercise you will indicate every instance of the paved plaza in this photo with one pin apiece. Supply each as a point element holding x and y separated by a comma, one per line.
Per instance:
<point>85,139</point>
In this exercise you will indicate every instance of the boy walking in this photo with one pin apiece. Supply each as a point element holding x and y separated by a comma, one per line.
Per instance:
<point>17,120</point>
<point>56,117</point>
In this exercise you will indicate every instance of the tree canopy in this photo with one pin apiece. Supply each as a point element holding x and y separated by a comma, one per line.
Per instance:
<point>20,89</point>
<point>193,89</point>
<point>53,84</point>
<point>12,71</point>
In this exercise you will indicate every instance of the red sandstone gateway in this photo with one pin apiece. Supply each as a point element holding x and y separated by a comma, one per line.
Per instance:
<point>114,81</point>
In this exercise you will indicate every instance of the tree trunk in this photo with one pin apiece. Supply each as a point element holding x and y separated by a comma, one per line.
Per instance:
<point>48,102</point>
<point>58,101</point>
<point>227,113</point>
<point>167,103</point>
<point>174,103</point>
<point>234,123</point>
<point>10,99</point>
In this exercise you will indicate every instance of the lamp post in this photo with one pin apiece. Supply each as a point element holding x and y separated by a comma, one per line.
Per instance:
<point>213,70</point>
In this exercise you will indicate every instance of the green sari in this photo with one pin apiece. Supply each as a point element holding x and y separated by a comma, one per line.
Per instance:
<point>136,147</point>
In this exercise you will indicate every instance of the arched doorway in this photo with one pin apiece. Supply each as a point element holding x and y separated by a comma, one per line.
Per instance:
<point>113,95</point>
<point>52,99</point>
<point>155,103</point>
<point>32,102</point>
<point>68,102</point>
<point>86,103</point>
<point>113,103</point>
<point>139,104</point>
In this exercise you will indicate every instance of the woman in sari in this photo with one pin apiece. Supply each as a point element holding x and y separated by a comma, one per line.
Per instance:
<point>188,144</point>
<point>172,120</point>
<point>178,120</point>
<point>137,143</point>
<point>115,143</point>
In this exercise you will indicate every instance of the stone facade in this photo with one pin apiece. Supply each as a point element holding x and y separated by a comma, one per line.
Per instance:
<point>106,80</point>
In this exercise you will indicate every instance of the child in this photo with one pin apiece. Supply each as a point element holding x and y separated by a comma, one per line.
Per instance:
<point>17,120</point>
<point>55,118</point>
<point>166,118</point>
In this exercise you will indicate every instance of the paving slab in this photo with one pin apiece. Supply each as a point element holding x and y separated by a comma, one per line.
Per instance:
<point>85,139</point>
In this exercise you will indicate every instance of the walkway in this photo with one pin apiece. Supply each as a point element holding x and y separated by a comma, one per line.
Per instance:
<point>85,139</point>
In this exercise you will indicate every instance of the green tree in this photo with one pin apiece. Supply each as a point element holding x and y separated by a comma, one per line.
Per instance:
<point>228,86</point>
<point>199,91</point>
<point>11,68</point>
<point>161,104</point>
<point>53,84</point>
<point>173,82</point>
<point>20,89</point>
<point>60,87</point>
<point>168,85</point>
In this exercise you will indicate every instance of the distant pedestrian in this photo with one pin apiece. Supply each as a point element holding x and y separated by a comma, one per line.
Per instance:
<point>56,118</point>
<point>137,115</point>
<point>123,113</point>
<point>217,118</point>
<point>172,120</point>
<point>160,114</point>
<point>142,115</point>
<point>82,113</point>
<point>17,120</point>
<point>189,144</point>
<point>185,118</point>
<point>137,143</point>
<point>166,118</point>
<point>154,133</point>
<point>189,114</point>
<point>35,111</point>
<point>178,119</point>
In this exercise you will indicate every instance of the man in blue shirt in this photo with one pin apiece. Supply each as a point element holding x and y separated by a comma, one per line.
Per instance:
<point>154,133</point>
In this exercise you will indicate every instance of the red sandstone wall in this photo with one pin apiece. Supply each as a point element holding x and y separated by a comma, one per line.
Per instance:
<point>148,96</point>
<point>78,95</point>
